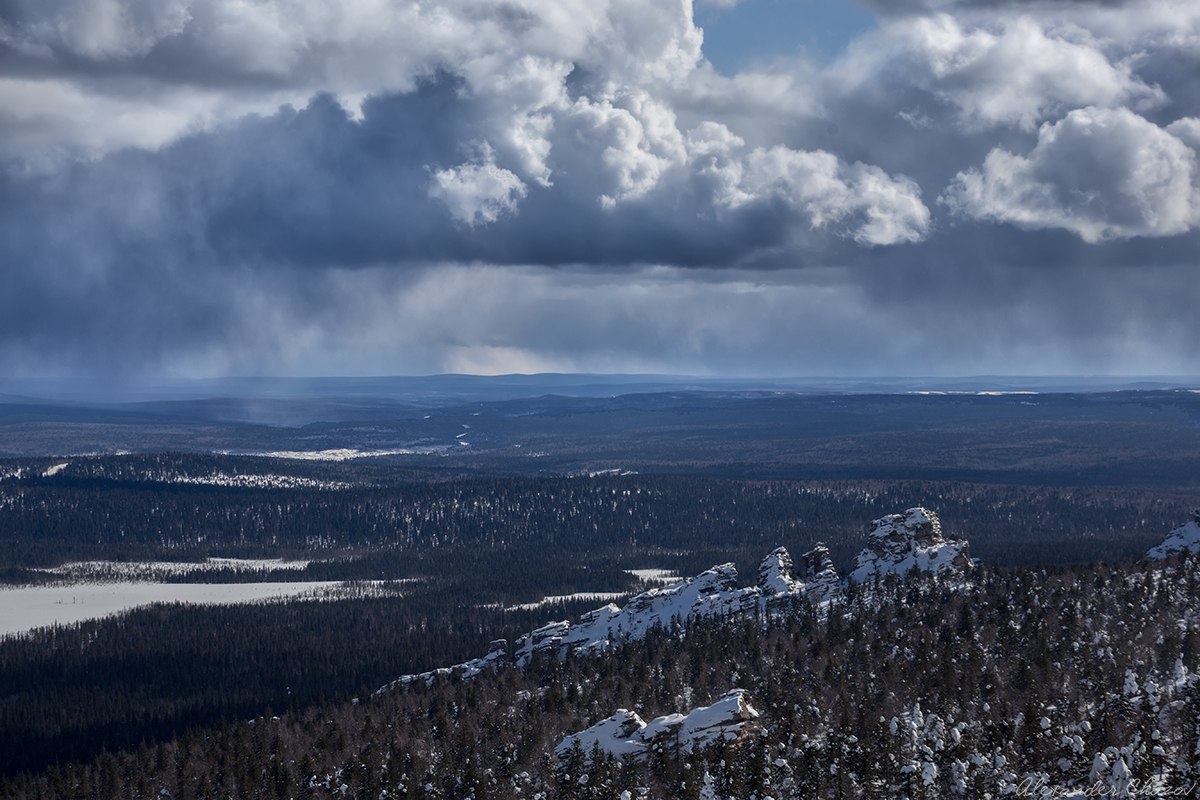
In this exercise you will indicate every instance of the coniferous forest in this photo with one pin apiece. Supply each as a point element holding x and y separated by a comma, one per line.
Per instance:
<point>1061,657</point>
<point>1066,676</point>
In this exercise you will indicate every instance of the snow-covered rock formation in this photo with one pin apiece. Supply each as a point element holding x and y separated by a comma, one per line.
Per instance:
<point>497,656</point>
<point>897,544</point>
<point>712,593</point>
<point>820,580</point>
<point>625,734</point>
<point>900,543</point>
<point>775,574</point>
<point>814,579</point>
<point>1185,537</point>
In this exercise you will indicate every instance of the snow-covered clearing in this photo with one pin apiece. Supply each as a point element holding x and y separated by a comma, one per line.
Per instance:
<point>339,454</point>
<point>655,575</point>
<point>26,608</point>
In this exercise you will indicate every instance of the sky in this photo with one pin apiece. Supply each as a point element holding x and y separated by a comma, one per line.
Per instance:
<point>200,188</point>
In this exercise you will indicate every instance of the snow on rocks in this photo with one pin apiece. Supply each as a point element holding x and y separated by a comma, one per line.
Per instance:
<point>1185,537</point>
<point>900,543</point>
<point>496,657</point>
<point>817,575</point>
<point>619,735</point>
<point>625,734</point>
<point>713,592</point>
<point>775,574</point>
<point>897,544</point>
<point>813,579</point>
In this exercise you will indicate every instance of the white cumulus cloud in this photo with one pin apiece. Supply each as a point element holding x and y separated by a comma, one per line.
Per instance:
<point>1100,173</point>
<point>1007,71</point>
<point>477,193</point>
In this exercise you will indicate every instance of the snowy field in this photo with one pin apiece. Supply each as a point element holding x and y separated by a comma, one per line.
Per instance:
<point>339,454</point>
<point>25,608</point>
<point>654,575</point>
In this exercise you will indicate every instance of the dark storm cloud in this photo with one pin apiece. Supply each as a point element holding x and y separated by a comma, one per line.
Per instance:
<point>526,187</point>
<point>143,257</point>
<point>315,188</point>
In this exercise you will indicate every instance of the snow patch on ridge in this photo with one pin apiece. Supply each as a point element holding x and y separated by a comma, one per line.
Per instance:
<point>264,481</point>
<point>655,575</point>
<point>566,598</point>
<point>157,571</point>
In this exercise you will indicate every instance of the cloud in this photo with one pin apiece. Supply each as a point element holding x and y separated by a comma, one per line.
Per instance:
<point>1009,72</point>
<point>94,29</point>
<point>621,145</point>
<point>477,192</point>
<point>906,7</point>
<point>314,188</point>
<point>913,319</point>
<point>1100,173</point>
<point>209,186</point>
<point>514,53</point>
<point>572,105</point>
<point>883,210</point>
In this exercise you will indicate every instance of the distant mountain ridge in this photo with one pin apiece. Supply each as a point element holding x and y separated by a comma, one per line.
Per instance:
<point>458,387</point>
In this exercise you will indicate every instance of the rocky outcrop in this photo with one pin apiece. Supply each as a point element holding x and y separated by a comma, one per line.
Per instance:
<point>1184,538</point>
<point>775,574</point>
<point>900,543</point>
<point>712,593</point>
<point>816,573</point>
<point>625,734</point>
<point>497,656</point>
<point>812,579</point>
<point>897,544</point>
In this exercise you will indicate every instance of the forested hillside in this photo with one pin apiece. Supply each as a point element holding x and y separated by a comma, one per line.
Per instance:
<point>918,688</point>
<point>468,547</point>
